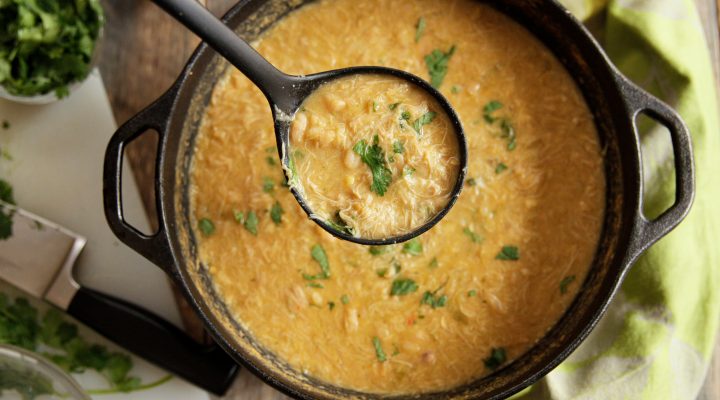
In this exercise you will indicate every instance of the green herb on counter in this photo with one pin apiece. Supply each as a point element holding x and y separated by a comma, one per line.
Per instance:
<point>379,353</point>
<point>497,358</point>
<point>508,253</point>
<point>46,45</point>
<point>268,185</point>
<point>419,29</point>
<point>251,223</point>
<point>374,156</point>
<point>472,293</point>
<point>276,213</point>
<point>6,216</point>
<point>437,64</point>
<point>345,299</point>
<point>413,247</point>
<point>425,119</point>
<point>489,109</point>
<point>403,286</point>
<point>472,235</point>
<point>318,254</point>
<point>500,168</point>
<point>566,281</point>
<point>206,226</point>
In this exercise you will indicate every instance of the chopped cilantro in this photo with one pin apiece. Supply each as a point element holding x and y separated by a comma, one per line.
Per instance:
<point>251,223</point>
<point>6,216</point>
<point>374,157</point>
<point>375,106</point>
<point>331,305</point>
<point>472,293</point>
<point>508,132</point>
<point>489,109</point>
<point>500,168</point>
<point>405,115</point>
<point>471,181</point>
<point>497,358</point>
<point>508,253</point>
<point>379,353</point>
<point>472,235</point>
<point>403,286</point>
<point>382,272</point>
<point>413,247</point>
<point>566,281</point>
<point>408,170</point>
<point>340,225</point>
<point>437,64</point>
<point>419,29</point>
<point>377,250</point>
<point>268,185</point>
<point>430,298</point>
<point>345,299</point>
<point>315,285</point>
<point>206,226</point>
<point>271,161</point>
<point>46,45</point>
<point>393,106</point>
<point>239,216</point>
<point>276,213</point>
<point>398,147</point>
<point>434,263</point>
<point>425,119</point>
<point>318,254</point>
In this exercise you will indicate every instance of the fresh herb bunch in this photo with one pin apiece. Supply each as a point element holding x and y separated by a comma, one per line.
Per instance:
<point>46,44</point>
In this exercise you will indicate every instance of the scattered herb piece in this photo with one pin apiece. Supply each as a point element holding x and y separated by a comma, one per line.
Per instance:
<point>566,281</point>
<point>433,263</point>
<point>455,89</point>
<point>377,250</point>
<point>206,226</point>
<point>315,285</point>
<point>413,247</point>
<point>239,216</point>
<point>318,254</point>
<point>425,119</point>
<point>402,286</point>
<point>345,299</point>
<point>268,185</point>
<point>437,64</point>
<point>331,305</point>
<point>5,124</point>
<point>374,157</point>
<point>429,298</point>
<point>271,161</point>
<point>379,353</point>
<point>497,358</point>
<point>508,132</point>
<point>276,213</point>
<point>476,238</point>
<point>471,181</point>
<point>393,106</point>
<point>408,170</point>
<point>472,293</point>
<point>251,223</point>
<point>340,225</point>
<point>419,29</point>
<point>396,350</point>
<point>6,216</point>
<point>489,109</point>
<point>398,147</point>
<point>405,115</point>
<point>500,168</point>
<point>508,253</point>
<point>382,272</point>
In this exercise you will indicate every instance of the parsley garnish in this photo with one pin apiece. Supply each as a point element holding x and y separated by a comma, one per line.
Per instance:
<point>405,115</point>
<point>251,223</point>
<point>379,353</point>
<point>500,168</point>
<point>239,216</point>
<point>402,286</point>
<point>340,225</point>
<point>437,64</point>
<point>508,253</point>
<point>374,157</point>
<point>316,285</point>
<point>318,254</point>
<point>393,106</point>
<point>489,109</point>
<point>419,29</point>
<point>408,170</point>
<point>398,147</point>
<point>268,185</point>
<point>276,213</point>
<point>497,358</point>
<point>206,226</point>
<point>508,132</point>
<point>6,216</point>
<point>345,299</point>
<point>472,235</point>
<point>377,250</point>
<point>433,300</point>
<point>271,161</point>
<point>423,120</point>
<point>413,247</point>
<point>566,281</point>
<point>382,272</point>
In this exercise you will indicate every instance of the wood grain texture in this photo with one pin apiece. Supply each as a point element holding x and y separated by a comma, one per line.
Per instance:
<point>144,50</point>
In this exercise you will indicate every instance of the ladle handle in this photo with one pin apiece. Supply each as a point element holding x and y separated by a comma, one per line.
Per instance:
<point>222,39</point>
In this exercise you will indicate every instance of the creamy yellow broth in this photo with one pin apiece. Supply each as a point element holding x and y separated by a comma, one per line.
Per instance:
<point>483,285</point>
<point>374,155</point>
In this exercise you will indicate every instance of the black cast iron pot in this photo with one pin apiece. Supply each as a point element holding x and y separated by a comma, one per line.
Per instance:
<point>614,100</point>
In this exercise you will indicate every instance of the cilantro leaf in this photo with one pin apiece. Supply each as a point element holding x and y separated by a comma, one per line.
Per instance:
<point>425,119</point>
<point>566,281</point>
<point>497,357</point>
<point>419,29</point>
<point>398,147</point>
<point>379,353</point>
<point>377,250</point>
<point>489,109</point>
<point>437,64</point>
<point>251,223</point>
<point>472,235</point>
<point>500,168</point>
<point>206,226</point>
<point>318,254</point>
<point>276,213</point>
<point>268,185</point>
<point>374,157</point>
<point>6,221</point>
<point>402,286</point>
<point>413,247</point>
<point>508,253</point>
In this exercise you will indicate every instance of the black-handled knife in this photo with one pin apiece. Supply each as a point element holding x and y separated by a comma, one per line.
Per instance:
<point>39,258</point>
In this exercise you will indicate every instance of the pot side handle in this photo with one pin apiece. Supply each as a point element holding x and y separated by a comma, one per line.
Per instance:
<point>153,247</point>
<point>650,231</point>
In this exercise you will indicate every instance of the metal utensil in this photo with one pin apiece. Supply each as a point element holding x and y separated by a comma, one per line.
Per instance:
<point>285,93</point>
<point>39,258</point>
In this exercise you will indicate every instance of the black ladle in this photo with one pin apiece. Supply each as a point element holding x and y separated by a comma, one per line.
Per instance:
<point>285,93</point>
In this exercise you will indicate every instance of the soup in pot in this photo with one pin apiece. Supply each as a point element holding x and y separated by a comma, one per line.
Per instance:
<point>456,303</point>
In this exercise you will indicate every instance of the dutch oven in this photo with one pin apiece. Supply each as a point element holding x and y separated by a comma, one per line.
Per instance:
<point>626,233</point>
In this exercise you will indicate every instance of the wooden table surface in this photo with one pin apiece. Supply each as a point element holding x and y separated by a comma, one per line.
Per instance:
<point>144,50</point>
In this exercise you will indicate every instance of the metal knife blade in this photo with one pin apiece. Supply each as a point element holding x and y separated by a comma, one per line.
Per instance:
<point>39,256</point>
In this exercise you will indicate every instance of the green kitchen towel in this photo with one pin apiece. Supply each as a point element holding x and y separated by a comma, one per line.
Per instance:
<point>657,338</point>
